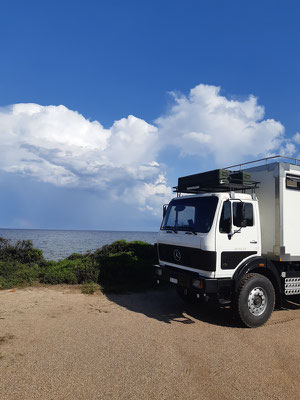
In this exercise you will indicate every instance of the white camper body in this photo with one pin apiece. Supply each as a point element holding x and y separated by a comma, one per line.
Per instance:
<point>279,207</point>
<point>234,238</point>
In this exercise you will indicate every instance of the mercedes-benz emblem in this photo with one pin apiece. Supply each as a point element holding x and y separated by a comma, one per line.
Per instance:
<point>177,255</point>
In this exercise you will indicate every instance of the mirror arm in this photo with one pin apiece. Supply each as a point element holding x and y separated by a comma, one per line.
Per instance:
<point>234,232</point>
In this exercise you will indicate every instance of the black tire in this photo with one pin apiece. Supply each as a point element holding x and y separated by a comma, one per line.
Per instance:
<point>255,299</point>
<point>188,296</point>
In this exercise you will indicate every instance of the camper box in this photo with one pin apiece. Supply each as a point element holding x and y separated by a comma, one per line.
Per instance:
<point>278,195</point>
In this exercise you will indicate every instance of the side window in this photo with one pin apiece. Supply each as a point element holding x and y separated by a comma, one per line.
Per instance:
<point>293,182</point>
<point>242,211</point>
<point>225,220</point>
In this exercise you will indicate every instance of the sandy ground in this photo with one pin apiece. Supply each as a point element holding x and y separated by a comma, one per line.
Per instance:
<point>56,343</point>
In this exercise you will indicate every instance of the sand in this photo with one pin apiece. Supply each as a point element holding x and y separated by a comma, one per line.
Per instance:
<point>57,343</point>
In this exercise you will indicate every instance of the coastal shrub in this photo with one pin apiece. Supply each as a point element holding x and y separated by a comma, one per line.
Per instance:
<point>16,274</point>
<point>75,256</point>
<point>53,273</point>
<point>86,270</point>
<point>125,265</point>
<point>74,270</point>
<point>21,251</point>
<point>141,249</point>
<point>120,266</point>
<point>89,287</point>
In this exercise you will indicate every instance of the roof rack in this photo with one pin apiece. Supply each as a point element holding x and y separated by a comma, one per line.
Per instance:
<point>227,187</point>
<point>230,182</point>
<point>266,160</point>
<point>219,180</point>
<point>228,178</point>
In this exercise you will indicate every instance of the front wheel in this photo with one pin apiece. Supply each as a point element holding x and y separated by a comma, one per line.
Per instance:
<point>255,300</point>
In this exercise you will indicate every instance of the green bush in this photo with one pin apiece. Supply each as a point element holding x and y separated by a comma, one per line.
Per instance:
<point>142,250</point>
<point>16,274</point>
<point>120,266</point>
<point>75,256</point>
<point>89,287</point>
<point>53,273</point>
<point>125,265</point>
<point>76,270</point>
<point>21,251</point>
<point>86,270</point>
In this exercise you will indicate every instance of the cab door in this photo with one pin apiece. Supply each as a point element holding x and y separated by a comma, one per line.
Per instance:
<point>237,236</point>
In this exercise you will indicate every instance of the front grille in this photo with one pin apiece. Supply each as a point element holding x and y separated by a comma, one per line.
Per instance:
<point>188,257</point>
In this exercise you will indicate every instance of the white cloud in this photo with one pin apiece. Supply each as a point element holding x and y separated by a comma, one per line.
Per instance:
<point>296,137</point>
<point>206,123</point>
<point>61,147</point>
<point>151,196</point>
<point>288,149</point>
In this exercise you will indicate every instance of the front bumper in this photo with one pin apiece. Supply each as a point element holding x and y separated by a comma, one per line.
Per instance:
<point>220,288</point>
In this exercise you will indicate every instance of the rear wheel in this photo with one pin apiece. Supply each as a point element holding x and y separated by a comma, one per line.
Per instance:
<point>255,300</point>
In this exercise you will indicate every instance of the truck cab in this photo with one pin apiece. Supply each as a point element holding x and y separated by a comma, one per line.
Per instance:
<point>210,234</point>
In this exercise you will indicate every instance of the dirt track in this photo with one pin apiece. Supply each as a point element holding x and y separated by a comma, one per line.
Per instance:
<point>56,343</point>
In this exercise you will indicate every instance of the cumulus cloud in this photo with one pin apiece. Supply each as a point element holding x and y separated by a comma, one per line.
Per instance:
<point>207,123</point>
<point>150,196</point>
<point>59,146</point>
<point>296,137</point>
<point>288,149</point>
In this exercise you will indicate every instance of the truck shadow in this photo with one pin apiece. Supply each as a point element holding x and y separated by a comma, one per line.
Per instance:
<point>166,306</point>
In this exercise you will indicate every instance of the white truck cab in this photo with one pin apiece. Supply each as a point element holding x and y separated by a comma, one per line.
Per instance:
<point>226,238</point>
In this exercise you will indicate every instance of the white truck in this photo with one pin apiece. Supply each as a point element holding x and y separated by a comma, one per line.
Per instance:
<point>234,236</point>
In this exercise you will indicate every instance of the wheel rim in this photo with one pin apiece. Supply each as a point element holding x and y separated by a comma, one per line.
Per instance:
<point>257,301</point>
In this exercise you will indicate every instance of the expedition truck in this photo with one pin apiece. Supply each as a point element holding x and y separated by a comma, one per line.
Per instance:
<point>233,236</point>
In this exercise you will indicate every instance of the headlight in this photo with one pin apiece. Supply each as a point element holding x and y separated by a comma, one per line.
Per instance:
<point>158,271</point>
<point>197,283</point>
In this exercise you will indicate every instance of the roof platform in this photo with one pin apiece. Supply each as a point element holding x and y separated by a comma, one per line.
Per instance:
<point>266,160</point>
<point>217,188</point>
<point>219,180</point>
<point>232,178</point>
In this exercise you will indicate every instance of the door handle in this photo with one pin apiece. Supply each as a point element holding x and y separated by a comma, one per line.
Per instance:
<point>253,241</point>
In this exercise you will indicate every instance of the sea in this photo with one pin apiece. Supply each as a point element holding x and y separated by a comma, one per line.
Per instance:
<point>59,244</point>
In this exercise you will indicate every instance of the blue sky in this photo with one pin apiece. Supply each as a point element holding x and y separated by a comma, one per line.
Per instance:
<point>207,84</point>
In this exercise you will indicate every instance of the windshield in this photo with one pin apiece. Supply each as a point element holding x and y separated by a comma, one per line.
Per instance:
<point>195,214</point>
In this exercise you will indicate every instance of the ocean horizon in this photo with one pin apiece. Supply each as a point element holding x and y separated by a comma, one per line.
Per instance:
<point>57,244</point>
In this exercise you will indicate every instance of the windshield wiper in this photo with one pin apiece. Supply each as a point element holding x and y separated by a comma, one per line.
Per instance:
<point>189,229</point>
<point>171,228</point>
